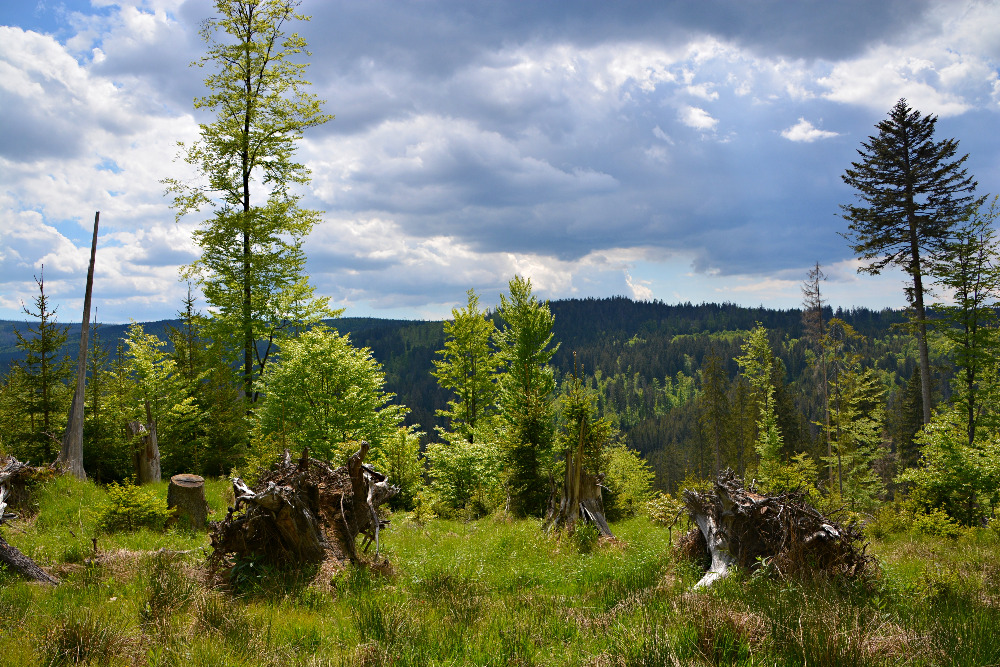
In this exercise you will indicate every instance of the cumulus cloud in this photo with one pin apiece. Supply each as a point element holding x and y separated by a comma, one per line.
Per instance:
<point>563,142</point>
<point>697,118</point>
<point>804,131</point>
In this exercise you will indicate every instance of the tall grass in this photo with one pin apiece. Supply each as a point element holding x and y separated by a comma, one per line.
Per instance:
<point>489,592</point>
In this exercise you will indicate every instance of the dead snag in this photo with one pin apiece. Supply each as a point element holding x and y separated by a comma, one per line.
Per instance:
<point>747,529</point>
<point>581,500</point>
<point>9,555</point>
<point>303,512</point>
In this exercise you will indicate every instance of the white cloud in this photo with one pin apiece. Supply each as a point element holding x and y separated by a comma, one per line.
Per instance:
<point>697,118</point>
<point>805,131</point>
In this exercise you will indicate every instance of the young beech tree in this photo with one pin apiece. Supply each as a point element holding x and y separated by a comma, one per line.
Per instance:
<point>912,190</point>
<point>968,270</point>
<point>524,396</point>
<point>325,394</point>
<point>251,270</point>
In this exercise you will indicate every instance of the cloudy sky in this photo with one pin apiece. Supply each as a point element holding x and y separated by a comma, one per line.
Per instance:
<point>671,150</point>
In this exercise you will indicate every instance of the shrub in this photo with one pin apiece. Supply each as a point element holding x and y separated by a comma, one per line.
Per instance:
<point>936,522</point>
<point>129,507</point>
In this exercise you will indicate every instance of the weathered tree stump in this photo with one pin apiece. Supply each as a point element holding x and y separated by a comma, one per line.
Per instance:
<point>303,512</point>
<point>186,493</point>
<point>747,529</point>
<point>581,500</point>
<point>10,555</point>
<point>146,451</point>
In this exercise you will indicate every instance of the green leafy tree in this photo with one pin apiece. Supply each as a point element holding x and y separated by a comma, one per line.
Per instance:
<point>954,475</point>
<point>325,394</point>
<point>467,475</point>
<point>46,375</point>
<point>756,363</point>
<point>911,191</point>
<point>251,270</point>
<point>526,383</point>
<point>968,270</point>
<point>468,367</point>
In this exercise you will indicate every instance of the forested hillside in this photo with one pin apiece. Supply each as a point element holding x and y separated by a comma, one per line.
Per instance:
<point>647,357</point>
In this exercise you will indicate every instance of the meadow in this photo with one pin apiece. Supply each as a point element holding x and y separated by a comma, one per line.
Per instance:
<point>488,592</point>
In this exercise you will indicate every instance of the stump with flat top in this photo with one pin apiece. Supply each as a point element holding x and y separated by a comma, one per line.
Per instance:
<point>186,493</point>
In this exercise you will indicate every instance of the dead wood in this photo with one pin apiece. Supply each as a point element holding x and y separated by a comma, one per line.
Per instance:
<point>303,512</point>
<point>10,556</point>
<point>186,494</point>
<point>783,532</point>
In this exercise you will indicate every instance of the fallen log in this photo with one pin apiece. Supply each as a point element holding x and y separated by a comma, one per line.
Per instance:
<point>302,512</point>
<point>10,555</point>
<point>750,530</point>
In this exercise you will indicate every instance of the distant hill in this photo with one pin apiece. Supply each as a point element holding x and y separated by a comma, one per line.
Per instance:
<point>648,354</point>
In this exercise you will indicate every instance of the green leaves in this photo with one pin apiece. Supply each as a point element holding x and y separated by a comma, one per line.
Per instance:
<point>325,394</point>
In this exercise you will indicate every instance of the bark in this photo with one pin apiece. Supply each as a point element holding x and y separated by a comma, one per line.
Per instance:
<point>186,493</point>
<point>303,512</point>
<point>71,455</point>
<point>782,532</point>
<point>10,555</point>
<point>146,455</point>
<point>581,501</point>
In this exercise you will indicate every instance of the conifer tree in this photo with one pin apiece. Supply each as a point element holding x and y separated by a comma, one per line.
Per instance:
<point>47,371</point>
<point>525,347</point>
<point>911,191</point>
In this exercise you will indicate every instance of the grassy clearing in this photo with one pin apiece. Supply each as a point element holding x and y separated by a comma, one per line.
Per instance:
<point>490,592</point>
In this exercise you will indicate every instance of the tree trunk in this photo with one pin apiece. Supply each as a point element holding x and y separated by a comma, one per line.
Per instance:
<point>71,455</point>
<point>581,500</point>
<point>304,512</point>
<point>186,493</point>
<point>782,532</point>
<point>146,453</point>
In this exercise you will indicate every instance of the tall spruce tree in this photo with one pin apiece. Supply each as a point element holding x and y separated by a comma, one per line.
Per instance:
<point>47,371</point>
<point>468,367</point>
<point>911,191</point>
<point>251,270</point>
<point>525,390</point>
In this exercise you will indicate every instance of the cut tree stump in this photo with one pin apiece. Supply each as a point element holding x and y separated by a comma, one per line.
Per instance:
<point>303,512</point>
<point>186,493</point>
<point>750,530</point>
<point>9,555</point>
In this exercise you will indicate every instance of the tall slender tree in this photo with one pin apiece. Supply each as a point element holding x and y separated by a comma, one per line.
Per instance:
<point>468,367</point>
<point>47,371</point>
<point>815,329</point>
<point>251,270</point>
<point>911,191</point>
<point>525,390</point>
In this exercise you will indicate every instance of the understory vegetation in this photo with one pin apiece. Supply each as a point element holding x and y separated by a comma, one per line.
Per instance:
<point>493,591</point>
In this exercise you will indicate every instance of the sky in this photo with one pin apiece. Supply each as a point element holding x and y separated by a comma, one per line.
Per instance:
<point>671,150</point>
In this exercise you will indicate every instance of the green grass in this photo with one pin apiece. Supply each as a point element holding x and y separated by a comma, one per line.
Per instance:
<point>489,592</point>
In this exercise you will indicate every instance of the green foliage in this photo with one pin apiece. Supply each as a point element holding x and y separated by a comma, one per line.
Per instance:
<point>468,367</point>
<point>937,523</point>
<point>327,395</point>
<point>756,362</point>
<point>524,400</point>
<point>954,476</point>
<point>130,507</point>
<point>629,480</point>
<point>40,385</point>
<point>968,270</point>
<point>251,269</point>
<point>404,467</point>
<point>466,475</point>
